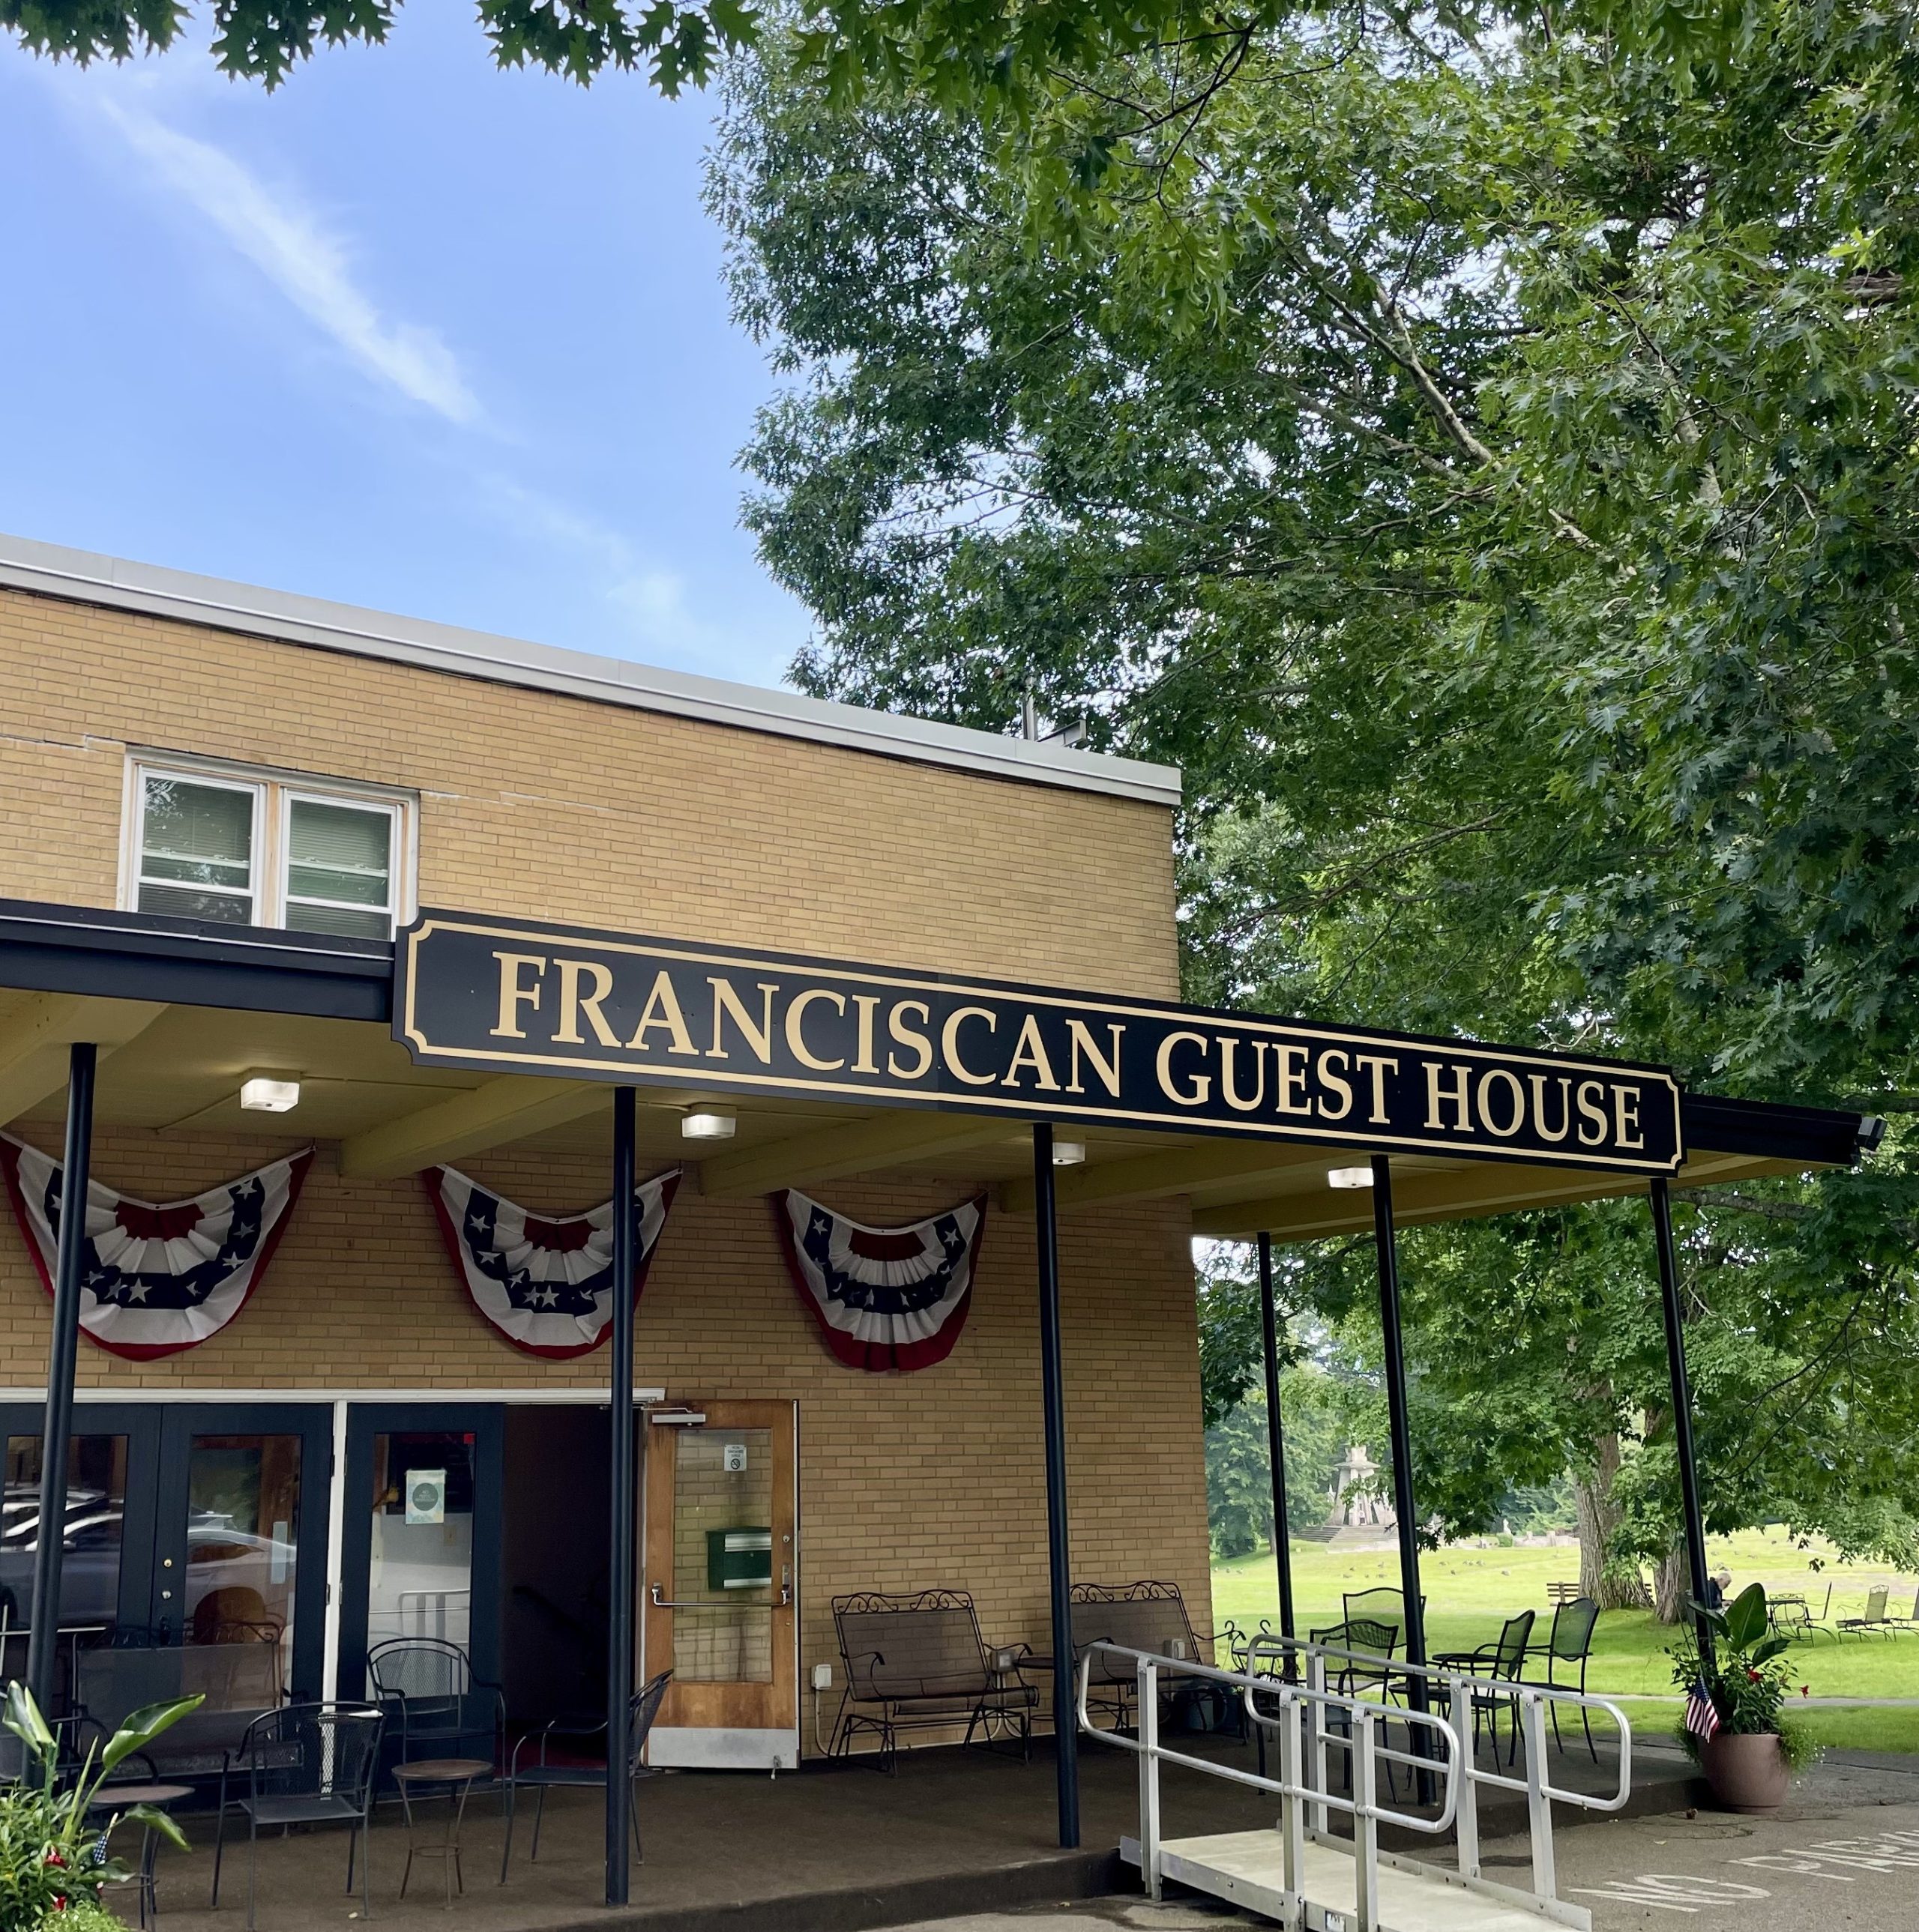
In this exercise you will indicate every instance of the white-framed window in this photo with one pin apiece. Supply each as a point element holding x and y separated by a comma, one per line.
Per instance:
<point>213,841</point>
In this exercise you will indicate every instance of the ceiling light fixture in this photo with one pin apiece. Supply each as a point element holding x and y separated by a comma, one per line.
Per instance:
<point>260,1095</point>
<point>708,1123</point>
<point>1068,1153</point>
<point>1350,1176</point>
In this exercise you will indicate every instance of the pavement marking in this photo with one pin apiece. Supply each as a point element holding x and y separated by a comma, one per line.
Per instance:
<point>1673,1892</point>
<point>1837,1860</point>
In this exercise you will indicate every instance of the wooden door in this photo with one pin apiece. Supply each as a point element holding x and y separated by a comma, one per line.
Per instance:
<point>720,1586</point>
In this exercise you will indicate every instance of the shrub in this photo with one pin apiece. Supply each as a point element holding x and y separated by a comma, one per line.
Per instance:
<point>53,1861</point>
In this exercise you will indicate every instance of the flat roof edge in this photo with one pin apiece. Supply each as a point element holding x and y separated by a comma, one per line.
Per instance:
<point>53,570</point>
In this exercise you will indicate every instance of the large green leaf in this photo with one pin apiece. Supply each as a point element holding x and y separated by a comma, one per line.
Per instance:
<point>22,1717</point>
<point>1745,1617</point>
<point>156,1820</point>
<point>140,1727</point>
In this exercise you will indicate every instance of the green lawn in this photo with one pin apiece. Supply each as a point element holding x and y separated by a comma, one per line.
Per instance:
<point>1469,1591</point>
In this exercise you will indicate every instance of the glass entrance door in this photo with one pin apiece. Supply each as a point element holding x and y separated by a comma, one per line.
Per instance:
<point>422,1515</point>
<point>720,1587</point>
<point>185,1526</point>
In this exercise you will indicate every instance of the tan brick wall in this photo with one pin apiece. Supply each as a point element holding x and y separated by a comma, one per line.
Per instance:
<point>556,808</point>
<point>936,1478</point>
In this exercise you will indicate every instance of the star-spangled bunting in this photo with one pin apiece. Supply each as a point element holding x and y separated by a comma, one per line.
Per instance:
<point>884,1297</point>
<point>157,1279</point>
<point>545,1283</point>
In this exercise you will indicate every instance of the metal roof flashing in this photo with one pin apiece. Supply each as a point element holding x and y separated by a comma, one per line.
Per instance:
<point>52,570</point>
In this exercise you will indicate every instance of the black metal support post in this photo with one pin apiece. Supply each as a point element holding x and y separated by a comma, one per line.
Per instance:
<point>1065,1731</point>
<point>620,1616</point>
<point>43,1645</point>
<point>1405,1507</point>
<point>1282,1547</point>
<point>1682,1400</point>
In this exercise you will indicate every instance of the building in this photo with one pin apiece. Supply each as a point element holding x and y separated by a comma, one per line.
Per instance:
<point>901,968</point>
<point>325,771</point>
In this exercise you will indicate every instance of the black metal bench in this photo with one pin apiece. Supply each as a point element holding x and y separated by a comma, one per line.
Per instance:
<point>1145,1616</point>
<point>919,1663</point>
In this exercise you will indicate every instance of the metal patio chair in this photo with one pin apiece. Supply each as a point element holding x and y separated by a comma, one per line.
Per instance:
<point>444,1710</point>
<point>1875,1621</point>
<point>1569,1642</point>
<point>1369,1674</point>
<point>1503,1659</point>
<point>544,1774</point>
<point>919,1663</point>
<point>1898,1622</point>
<point>1382,1605</point>
<point>304,1764</point>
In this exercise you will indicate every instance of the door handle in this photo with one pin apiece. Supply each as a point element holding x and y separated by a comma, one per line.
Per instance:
<point>660,1603</point>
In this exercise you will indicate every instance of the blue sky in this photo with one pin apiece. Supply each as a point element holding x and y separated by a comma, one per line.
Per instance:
<point>410,332</point>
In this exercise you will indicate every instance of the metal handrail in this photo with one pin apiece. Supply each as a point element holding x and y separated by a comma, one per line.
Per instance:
<point>1147,1664</point>
<point>1526,1694</point>
<point>1297,1709</point>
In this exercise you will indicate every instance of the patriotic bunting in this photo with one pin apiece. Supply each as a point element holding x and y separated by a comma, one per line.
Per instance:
<point>547,1285</point>
<point>157,1279</point>
<point>884,1297</point>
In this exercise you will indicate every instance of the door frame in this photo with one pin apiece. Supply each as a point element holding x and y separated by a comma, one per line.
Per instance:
<point>486,1423</point>
<point>721,1745</point>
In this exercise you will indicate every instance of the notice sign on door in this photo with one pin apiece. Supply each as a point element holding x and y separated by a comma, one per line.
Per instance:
<point>426,1495</point>
<point>734,1459</point>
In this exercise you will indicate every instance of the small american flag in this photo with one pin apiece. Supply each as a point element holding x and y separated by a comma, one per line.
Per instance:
<point>1702,1719</point>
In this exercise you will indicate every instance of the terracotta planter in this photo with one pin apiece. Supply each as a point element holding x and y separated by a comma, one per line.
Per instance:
<point>1747,1772</point>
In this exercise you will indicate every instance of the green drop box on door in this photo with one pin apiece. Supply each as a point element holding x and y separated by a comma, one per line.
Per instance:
<point>739,1559</point>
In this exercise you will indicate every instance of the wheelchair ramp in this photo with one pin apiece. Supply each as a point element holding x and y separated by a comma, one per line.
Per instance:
<point>1247,1869</point>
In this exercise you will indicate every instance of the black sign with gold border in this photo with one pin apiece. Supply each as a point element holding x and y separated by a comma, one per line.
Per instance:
<point>512,996</point>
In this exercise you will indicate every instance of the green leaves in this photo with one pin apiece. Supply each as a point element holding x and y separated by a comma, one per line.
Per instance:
<point>1744,1622</point>
<point>48,1834</point>
<point>142,1727</point>
<point>22,1717</point>
<point>1485,464</point>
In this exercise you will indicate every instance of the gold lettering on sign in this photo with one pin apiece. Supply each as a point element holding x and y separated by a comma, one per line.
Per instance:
<point>513,995</point>
<point>1378,1066</point>
<point>1082,1042</point>
<point>1589,1111</point>
<point>1538,1085</point>
<point>949,1043</point>
<point>758,1034</point>
<point>573,1003</point>
<point>1516,1096</point>
<point>796,1040</point>
<point>1029,1056</point>
<point>906,1035</point>
<point>1202,1083</point>
<point>1229,1085</point>
<point>1455,1094</point>
<point>1625,1117</point>
<point>868,1004</point>
<point>1290,1059</point>
<point>1344,1088</point>
<point>663,1010</point>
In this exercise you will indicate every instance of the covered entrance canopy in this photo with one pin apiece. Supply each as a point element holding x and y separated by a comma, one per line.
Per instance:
<point>475,1031</point>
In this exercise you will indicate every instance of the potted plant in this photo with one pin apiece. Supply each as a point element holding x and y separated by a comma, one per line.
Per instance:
<point>53,1862</point>
<point>1733,1729</point>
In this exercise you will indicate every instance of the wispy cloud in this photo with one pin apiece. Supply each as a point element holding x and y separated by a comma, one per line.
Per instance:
<point>650,600</point>
<point>291,247</point>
